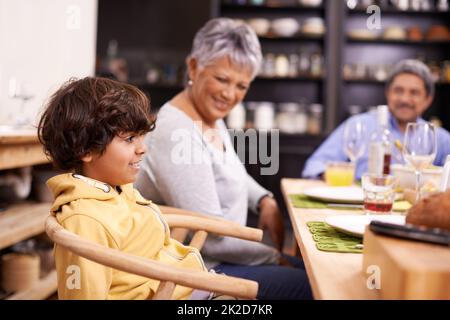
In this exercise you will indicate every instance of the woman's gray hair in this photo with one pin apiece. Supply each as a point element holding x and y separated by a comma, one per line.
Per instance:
<point>415,67</point>
<point>222,37</point>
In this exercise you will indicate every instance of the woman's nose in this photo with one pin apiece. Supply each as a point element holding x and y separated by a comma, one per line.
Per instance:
<point>228,93</point>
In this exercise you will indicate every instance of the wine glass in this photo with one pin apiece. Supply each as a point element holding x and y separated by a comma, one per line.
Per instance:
<point>354,139</point>
<point>419,148</point>
<point>19,90</point>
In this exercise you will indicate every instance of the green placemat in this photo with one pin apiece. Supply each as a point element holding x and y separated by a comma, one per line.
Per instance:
<point>329,239</point>
<point>302,201</point>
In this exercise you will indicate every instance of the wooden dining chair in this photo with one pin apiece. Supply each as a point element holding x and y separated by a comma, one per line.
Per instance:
<point>169,276</point>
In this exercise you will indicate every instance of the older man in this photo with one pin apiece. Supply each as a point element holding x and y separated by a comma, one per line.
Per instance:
<point>409,93</point>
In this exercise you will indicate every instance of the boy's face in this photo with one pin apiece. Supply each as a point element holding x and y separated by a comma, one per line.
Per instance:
<point>120,162</point>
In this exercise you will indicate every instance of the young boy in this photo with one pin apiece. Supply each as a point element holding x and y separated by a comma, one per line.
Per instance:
<point>94,128</point>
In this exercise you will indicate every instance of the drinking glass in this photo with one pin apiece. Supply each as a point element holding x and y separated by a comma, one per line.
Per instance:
<point>419,148</point>
<point>339,173</point>
<point>354,139</point>
<point>379,193</point>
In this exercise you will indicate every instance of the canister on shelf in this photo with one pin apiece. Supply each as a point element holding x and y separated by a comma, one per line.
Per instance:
<point>264,116</point>
<point>301,119</point>
<point>286,117</point>
<point>293,65</point>
<point>282,66</point>
<point>19,271</point>
<point>250,114</point>
<point>354,110</point>
<point>236,117</point>
<point>268,66</point>
<point>315,119</point>
<point>304,64</point>
<point>316,65</point>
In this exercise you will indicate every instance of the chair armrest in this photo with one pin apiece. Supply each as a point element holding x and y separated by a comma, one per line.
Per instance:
<point>220,227</point>
<point>172,210</point>
<point>116,259</point>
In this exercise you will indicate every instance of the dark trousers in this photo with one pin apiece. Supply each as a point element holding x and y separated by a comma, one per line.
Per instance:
<point>275,282</point>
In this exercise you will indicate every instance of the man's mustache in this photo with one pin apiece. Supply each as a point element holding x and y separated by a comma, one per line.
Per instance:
<point>404,105</point>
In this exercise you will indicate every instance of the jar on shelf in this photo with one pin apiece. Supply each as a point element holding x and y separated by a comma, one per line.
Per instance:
<point>442,5</point>
<point>301,119</point>
<point>250,114</point>
<point>316,65</point>
<point>360,71</point>
<point>354,110</point>
<point>236,117</point>
<point>293,65</point>
<point>264,116</point>
<point>282,66</point>
<point>286,117</point>
<point>315,119</point>
<point>268,66</point>
<point>380,72</point>
<point>304,63</point>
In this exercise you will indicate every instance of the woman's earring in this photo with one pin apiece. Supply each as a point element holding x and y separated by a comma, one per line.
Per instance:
<point>190,83</point>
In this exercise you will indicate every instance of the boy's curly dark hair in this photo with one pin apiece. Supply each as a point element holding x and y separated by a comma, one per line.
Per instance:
<point>85,115</point>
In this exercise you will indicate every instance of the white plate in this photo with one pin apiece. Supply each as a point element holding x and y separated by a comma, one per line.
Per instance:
<point>352,194</point>
<point>356,225</point>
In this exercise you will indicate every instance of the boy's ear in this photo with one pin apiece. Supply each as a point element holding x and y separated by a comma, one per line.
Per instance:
<point>87,157</point>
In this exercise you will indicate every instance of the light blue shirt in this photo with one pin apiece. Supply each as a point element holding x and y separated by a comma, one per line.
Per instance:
<point>332,148</point>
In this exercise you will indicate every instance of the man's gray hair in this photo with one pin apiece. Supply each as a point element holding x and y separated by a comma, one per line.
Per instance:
<point>415,67</point>
<point>224,37</point>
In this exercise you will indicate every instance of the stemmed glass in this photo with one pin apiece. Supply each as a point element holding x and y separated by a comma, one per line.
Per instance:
<point>354,139</point>
<point>419,148</point>
<point>18,90</point>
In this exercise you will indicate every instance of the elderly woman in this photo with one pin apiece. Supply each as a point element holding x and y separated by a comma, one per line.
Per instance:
<point>191,163</point>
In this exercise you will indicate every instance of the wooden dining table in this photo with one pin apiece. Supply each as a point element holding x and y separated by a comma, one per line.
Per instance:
<point>333,276</point>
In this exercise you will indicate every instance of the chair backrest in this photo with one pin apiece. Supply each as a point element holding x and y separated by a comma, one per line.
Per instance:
<point>168,275</point>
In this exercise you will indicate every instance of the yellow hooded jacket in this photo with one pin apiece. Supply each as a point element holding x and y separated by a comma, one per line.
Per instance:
<point>124,221</point>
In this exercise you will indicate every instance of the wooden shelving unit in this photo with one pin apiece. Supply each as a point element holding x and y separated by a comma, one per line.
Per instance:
<point>43,289</point>
<point>22,221</point>
<point>378,50</point>
<point>21,148</point>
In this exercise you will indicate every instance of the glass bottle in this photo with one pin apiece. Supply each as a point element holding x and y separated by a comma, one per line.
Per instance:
<point>380,145</point>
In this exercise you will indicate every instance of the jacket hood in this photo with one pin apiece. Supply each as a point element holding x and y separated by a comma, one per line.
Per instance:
<point>70,187</point>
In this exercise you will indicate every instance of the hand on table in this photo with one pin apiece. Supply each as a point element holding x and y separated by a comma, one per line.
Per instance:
<point>270,218</point>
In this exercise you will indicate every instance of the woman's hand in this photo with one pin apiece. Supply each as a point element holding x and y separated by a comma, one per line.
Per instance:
<point>270,218</point>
